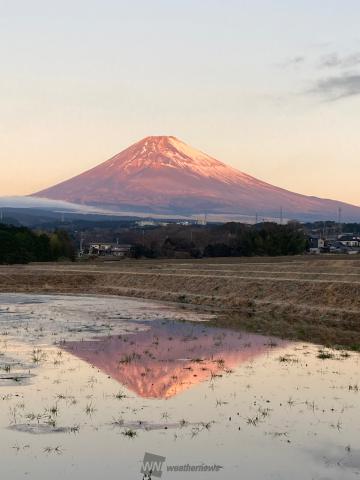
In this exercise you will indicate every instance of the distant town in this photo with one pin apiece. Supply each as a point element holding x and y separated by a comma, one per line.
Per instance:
<point>88,237</point>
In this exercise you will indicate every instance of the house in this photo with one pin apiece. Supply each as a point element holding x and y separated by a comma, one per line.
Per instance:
<point>101,249</point>
<point>120,250</point>
<point>349,240</point>
<point>316,245</point>
<point>340,247</point>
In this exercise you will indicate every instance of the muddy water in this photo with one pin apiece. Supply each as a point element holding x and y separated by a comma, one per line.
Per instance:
<point>88,385</point>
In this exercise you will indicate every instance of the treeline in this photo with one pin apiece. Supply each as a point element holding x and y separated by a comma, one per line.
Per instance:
<point>228,240</point>
<point>267,239</point>
<point>22,245</point>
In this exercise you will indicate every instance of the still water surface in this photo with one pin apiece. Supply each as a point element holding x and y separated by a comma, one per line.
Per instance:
<point>89,384</point>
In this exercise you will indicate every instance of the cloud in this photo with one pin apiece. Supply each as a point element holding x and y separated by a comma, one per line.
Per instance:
<point>337,87</point>
<point>344,81</point>
<point>333,60</point>
<point>290,62</point>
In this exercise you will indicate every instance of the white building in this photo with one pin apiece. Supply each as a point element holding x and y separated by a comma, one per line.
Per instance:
<point>109,249</point>
<point>316,244</point>
<point>349,240</point>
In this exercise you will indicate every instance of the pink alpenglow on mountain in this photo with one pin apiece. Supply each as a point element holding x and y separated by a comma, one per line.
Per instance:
<point>165,175</point>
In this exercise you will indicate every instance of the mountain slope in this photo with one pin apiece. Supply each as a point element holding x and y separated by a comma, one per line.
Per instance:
<point>164,175</point>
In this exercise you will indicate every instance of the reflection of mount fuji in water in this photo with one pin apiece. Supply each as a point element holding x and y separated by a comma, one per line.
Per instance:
<point>170,356</point>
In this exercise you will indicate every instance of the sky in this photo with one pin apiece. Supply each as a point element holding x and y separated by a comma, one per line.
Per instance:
<point>269,87</point>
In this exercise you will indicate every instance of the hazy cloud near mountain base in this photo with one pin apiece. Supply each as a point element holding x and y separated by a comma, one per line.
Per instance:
<point>337,87</point>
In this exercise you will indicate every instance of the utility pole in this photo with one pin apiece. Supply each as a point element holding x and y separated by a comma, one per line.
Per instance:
<point>281,215</point>
<point>81,244</point>
<point>339,220</point>
<point>256,218</point>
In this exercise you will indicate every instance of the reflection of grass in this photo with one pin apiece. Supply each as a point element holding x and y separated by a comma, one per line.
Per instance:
<point>338,425</point>
<point>54,410</point>
<point>120,395</point>
<point>253,421</point>
<point>324,355</point>
<point>197,360</point>
<point>200,427</point>
<point>57,450</point>
<point>129,358</point>
<point>37,355</point>
<point>119,422</point>
<point>89,409</point>
<point>264,412</point>
<point>287,358</point>
<point>345,355</point>
<point>220,362</point>
<point>291,402</point>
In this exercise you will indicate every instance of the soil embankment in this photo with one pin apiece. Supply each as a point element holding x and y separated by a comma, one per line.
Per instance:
<point>309,298</point>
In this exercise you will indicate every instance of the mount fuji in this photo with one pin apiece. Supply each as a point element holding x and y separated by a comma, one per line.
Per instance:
<point>163,175</point>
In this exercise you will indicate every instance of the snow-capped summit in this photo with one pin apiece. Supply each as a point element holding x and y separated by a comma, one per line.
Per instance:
<point>165,175</point>
<point>170,152</point>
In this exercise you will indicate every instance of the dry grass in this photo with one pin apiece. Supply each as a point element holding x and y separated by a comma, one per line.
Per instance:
<point>300,297</point>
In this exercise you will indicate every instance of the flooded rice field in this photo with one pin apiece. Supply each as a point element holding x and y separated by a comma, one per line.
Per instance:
<point>89,385</point>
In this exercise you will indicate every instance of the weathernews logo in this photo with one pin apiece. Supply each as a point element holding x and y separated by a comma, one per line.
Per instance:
<point>153,467</point>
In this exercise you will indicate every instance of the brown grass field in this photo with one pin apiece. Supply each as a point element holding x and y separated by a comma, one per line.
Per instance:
<point>307,297</point>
